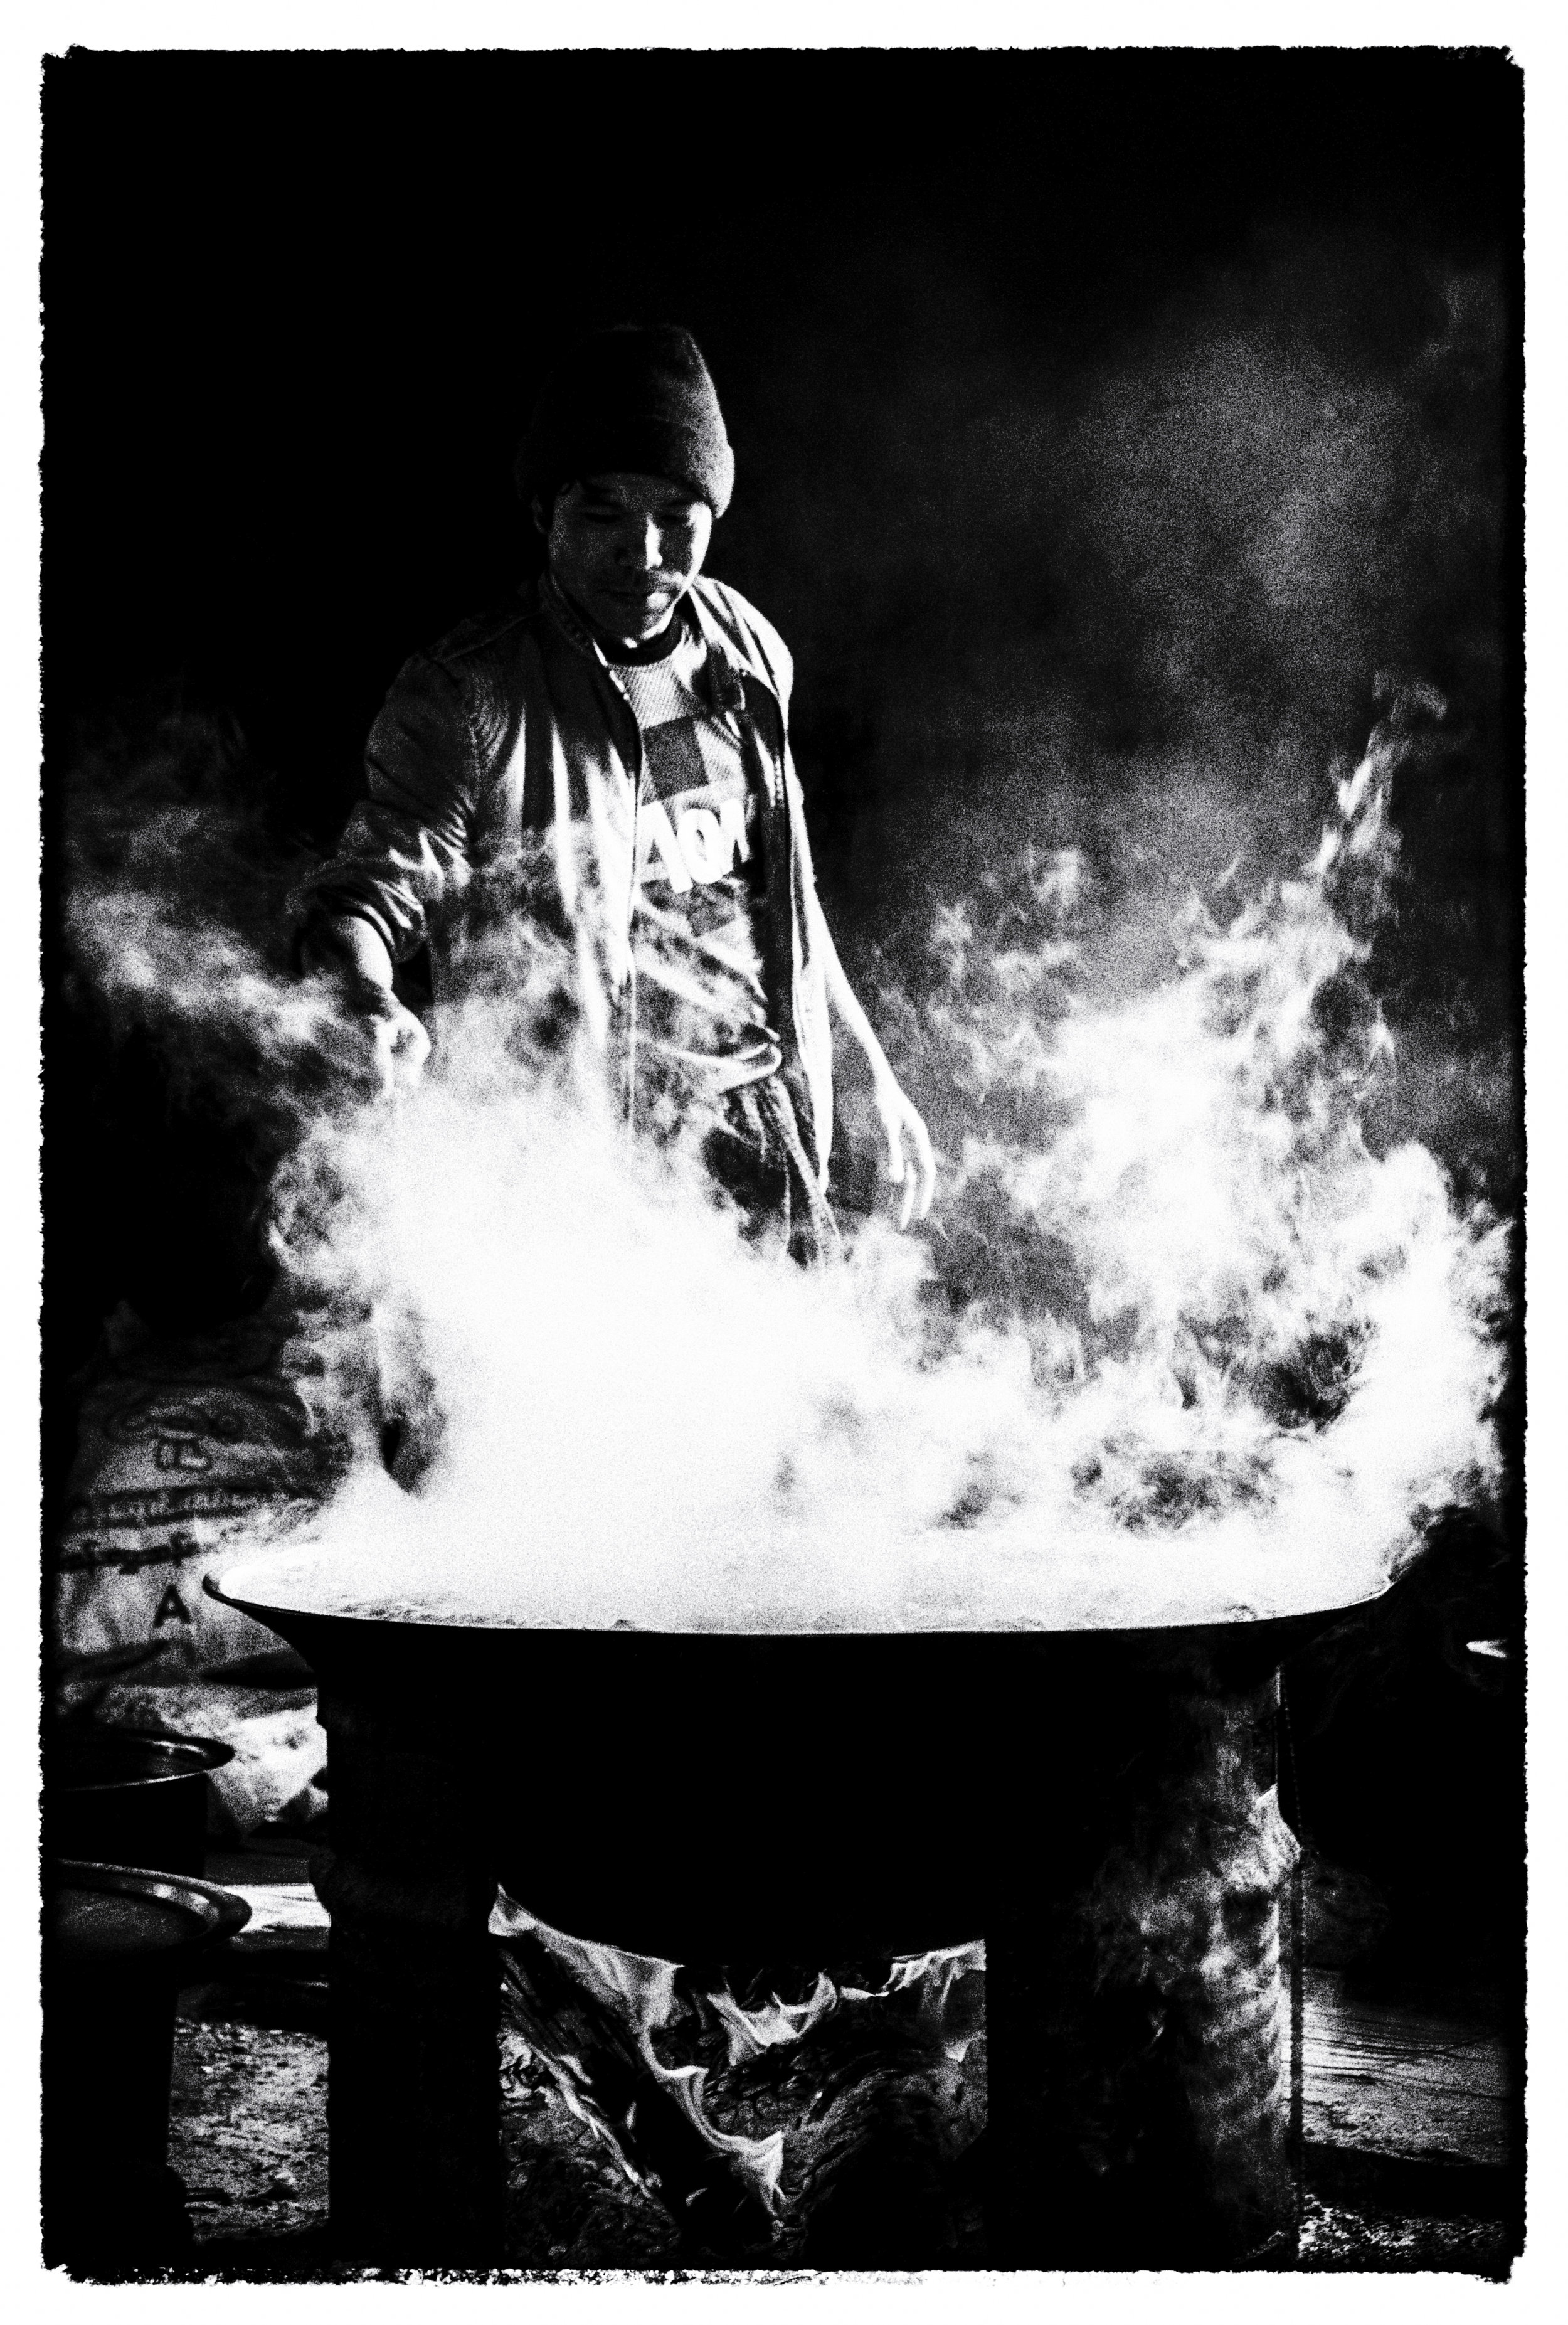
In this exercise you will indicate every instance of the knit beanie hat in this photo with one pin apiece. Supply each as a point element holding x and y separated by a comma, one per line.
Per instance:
<point>635,399</point>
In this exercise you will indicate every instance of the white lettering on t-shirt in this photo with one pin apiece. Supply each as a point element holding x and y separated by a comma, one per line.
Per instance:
<point>703,844</point>
<point>711,839</point>
<point>657,832</point>
<point>732,820</point>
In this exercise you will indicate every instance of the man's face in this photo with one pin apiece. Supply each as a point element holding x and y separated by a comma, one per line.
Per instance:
<point>626,549</point>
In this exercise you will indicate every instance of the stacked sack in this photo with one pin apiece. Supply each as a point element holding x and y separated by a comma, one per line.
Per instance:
<point>190,1453</point>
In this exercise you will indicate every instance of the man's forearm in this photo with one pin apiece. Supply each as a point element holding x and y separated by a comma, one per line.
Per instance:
<point>846,1007</point>
<point>347,947</point>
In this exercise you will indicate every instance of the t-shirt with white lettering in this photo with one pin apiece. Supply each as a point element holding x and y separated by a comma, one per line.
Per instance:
<point>697,931</point>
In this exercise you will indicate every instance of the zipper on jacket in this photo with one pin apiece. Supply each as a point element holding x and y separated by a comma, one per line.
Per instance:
<point>609,671</point>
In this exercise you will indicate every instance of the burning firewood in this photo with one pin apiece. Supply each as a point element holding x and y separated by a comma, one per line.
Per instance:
<point>588,2014</point>
<point>818,2133</point>
<point>875,2125</point>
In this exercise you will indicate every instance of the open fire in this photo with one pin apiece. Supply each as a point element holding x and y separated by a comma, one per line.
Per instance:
<point>588,2015</point>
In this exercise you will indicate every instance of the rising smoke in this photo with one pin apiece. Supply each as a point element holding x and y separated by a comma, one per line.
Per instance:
<point>1124,587</point>
<point>1179,1331</point>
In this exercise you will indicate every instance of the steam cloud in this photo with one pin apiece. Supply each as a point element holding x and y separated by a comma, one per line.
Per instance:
<point>1125,587</point>
<point>1179,1336</point>
<point>1177,1339</point>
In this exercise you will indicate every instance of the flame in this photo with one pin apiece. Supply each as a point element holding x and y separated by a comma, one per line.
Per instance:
<point>772,2023</point>
<point>936,1976</point>
<point>638,1993</point>
<point>645,1995</point>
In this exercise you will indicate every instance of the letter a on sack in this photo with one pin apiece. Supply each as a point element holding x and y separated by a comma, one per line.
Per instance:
<point>171,1608</point>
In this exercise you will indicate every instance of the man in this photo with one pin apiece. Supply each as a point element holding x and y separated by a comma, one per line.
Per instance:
<point>620,727</point>
<point>627,719</point>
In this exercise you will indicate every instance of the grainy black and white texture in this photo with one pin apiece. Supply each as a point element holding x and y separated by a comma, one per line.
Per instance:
<point>1117,437</point>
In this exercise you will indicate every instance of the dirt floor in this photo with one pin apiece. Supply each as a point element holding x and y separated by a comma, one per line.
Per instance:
<point>873,2148</point>
<point>249,2140</point>
<point>248,2129</point>
<point>1411,2157</point>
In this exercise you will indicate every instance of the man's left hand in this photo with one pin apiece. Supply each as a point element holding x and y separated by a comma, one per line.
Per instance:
<point>911,1164</point>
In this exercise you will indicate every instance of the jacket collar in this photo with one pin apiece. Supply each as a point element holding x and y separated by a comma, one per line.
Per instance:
<point>728,664</point>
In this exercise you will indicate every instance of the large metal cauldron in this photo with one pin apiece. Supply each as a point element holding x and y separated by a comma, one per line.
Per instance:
<point>747,1799</point>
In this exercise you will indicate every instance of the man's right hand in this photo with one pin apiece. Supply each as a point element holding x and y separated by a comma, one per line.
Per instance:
<point>398,1042</point>
<point>351,954</point>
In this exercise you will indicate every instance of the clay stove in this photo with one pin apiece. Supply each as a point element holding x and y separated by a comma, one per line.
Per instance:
<point>727,1797</point>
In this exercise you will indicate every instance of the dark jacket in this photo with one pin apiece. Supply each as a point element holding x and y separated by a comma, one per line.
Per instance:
<point>514,729</point>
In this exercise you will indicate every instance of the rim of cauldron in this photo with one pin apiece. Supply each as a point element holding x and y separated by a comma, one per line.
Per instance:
<point>1294,1623</point>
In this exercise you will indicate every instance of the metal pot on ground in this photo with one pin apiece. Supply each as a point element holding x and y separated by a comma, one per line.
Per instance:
<point>118,1796</point>
<point>119,1941</point>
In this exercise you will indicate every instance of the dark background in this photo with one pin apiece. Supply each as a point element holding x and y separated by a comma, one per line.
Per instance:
<point>1104,425</point>
<point>973,318</point>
